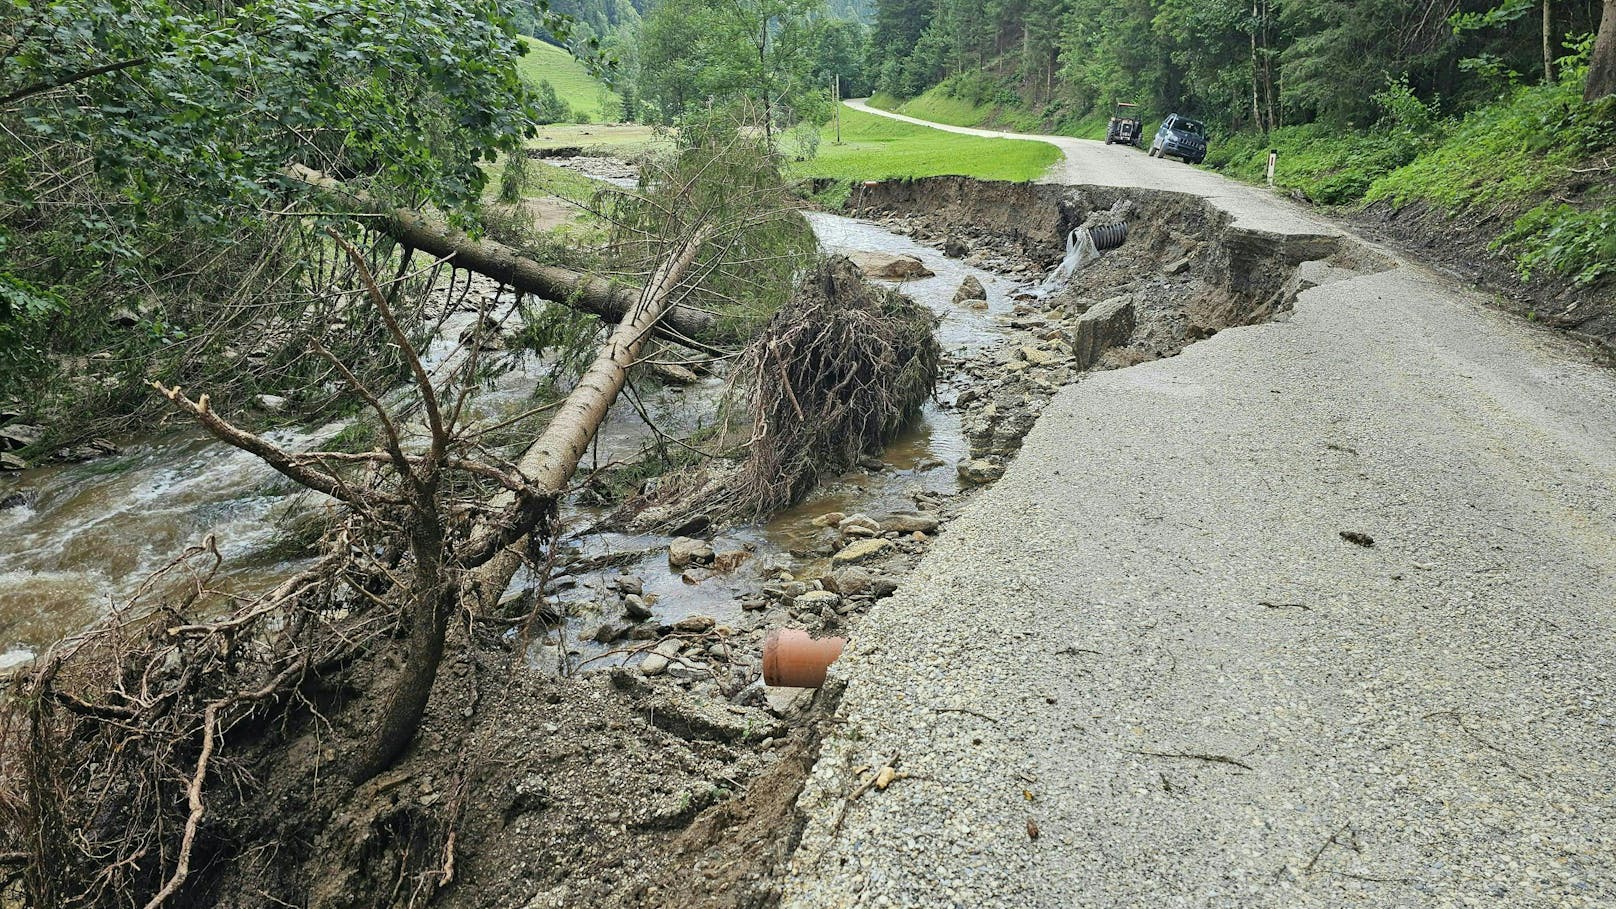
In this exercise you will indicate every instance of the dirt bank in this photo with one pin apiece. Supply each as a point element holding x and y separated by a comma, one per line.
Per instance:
<point>1462,247</point>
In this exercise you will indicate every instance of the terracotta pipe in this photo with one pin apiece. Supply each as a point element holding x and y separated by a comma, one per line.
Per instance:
<point>793,659</point>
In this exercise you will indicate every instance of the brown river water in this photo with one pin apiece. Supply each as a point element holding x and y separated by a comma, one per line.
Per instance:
<point>94,532</point>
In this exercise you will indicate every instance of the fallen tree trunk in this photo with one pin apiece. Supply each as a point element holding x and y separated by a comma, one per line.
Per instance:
<point>550,461</point>
<point>680,324</point>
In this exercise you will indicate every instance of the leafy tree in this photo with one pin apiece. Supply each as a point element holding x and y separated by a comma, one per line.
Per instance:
<point>696,53</point>
<point>142,137</point>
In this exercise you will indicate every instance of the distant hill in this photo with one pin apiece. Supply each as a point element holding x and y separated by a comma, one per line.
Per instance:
<point>573,82</point>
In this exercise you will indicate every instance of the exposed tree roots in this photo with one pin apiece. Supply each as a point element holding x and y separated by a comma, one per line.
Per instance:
<point>834,376</point>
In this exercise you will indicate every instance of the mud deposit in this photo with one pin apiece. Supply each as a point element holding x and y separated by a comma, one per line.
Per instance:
<point>629,755</point>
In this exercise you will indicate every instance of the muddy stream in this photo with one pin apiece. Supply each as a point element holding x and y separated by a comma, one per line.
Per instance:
<point>91,533</point>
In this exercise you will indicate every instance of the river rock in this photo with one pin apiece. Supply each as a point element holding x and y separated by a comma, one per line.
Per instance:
<point>608,632</point>
<point>911,523</point>
<point>89,451</point>
<point>849,581</point>
<point>15,500</point>
<point>955,248</point>
<point>862,550</point>
<point>629,584</point>
<point>20,435</point>
<point>674,374</point>
<point>270,403</point>
<point>685,551</point>
<point>889,266</point>
<point>635,607</point>
<point>1105,325</point>
<point>829,519</point>
<point>816,601</point>
<point>9,461</point>
<point>695,624</point>
<point>970,289</point>
<point>980,470</point>
<point>854,522</point>
<point>656,662</point>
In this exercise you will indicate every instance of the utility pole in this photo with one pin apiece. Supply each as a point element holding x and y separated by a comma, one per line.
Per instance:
<point>836,104</point>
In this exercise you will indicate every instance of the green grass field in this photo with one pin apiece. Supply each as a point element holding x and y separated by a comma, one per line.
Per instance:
<point>937,106</point>
<point>572,81</point>
<point>876,148</point>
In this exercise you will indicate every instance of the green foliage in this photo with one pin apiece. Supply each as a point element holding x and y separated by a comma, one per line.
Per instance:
<point>1321,60</point>
<point>143,145</point>
<point>725,173</point>
<point>1579,245</point>
<point>547,107</point>
<point>1504,152</point>
<point>759,54</point>
<point>876,147</point>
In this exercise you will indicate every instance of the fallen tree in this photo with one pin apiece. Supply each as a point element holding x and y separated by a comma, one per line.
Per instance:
<point>550,461</point>
<point>612,302</point>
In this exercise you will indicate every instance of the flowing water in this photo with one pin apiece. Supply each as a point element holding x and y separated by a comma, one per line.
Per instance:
<point>91,533</point>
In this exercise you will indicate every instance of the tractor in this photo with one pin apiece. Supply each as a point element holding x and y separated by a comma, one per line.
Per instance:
<point>1125,127</point>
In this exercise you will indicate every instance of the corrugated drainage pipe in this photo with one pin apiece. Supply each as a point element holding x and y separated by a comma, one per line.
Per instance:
<point>793,659</point>
<point>1109,236</point>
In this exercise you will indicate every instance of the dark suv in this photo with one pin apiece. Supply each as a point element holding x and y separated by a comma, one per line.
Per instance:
<point>1180,137</point>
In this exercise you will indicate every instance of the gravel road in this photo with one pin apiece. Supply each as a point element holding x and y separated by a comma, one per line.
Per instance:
<point>1145,669</point>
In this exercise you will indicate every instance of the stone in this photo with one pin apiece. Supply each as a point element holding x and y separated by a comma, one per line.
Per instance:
<point>1105,325</point>
<point>635,607</point>
<point>656,662</point>
<point>889,266</point>
<point>731,560</point>
<point>849,581</point>
<point>911,523</point>
<point>685,551</point>
<point>862,550</point>
<point>817,601</point>
<point>270,403</point>
<point>695,624</point>
<point>629,585</point>
<point>980,470</point>
<point>607,633</point>
<point>863,521</point>
<point>15,500</point>
<point>1178,267</point>
<point>955,248</point>
<point>20,435</point>
<point>674,374</point>
<point>1038,356</point>
<point>829,519</point>
<point>970,289</point>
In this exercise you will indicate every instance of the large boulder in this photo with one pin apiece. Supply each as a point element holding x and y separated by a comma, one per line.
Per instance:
<point>1105,325</point>
<point>890,266</point>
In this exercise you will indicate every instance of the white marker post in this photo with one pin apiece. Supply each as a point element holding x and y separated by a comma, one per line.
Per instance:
<point>1273,162</point>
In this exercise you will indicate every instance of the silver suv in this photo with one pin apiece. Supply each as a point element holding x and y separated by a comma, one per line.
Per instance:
<point>1180,137</point>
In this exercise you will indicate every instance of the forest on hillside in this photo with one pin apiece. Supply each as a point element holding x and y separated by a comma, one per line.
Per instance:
<point>1236,63</point>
